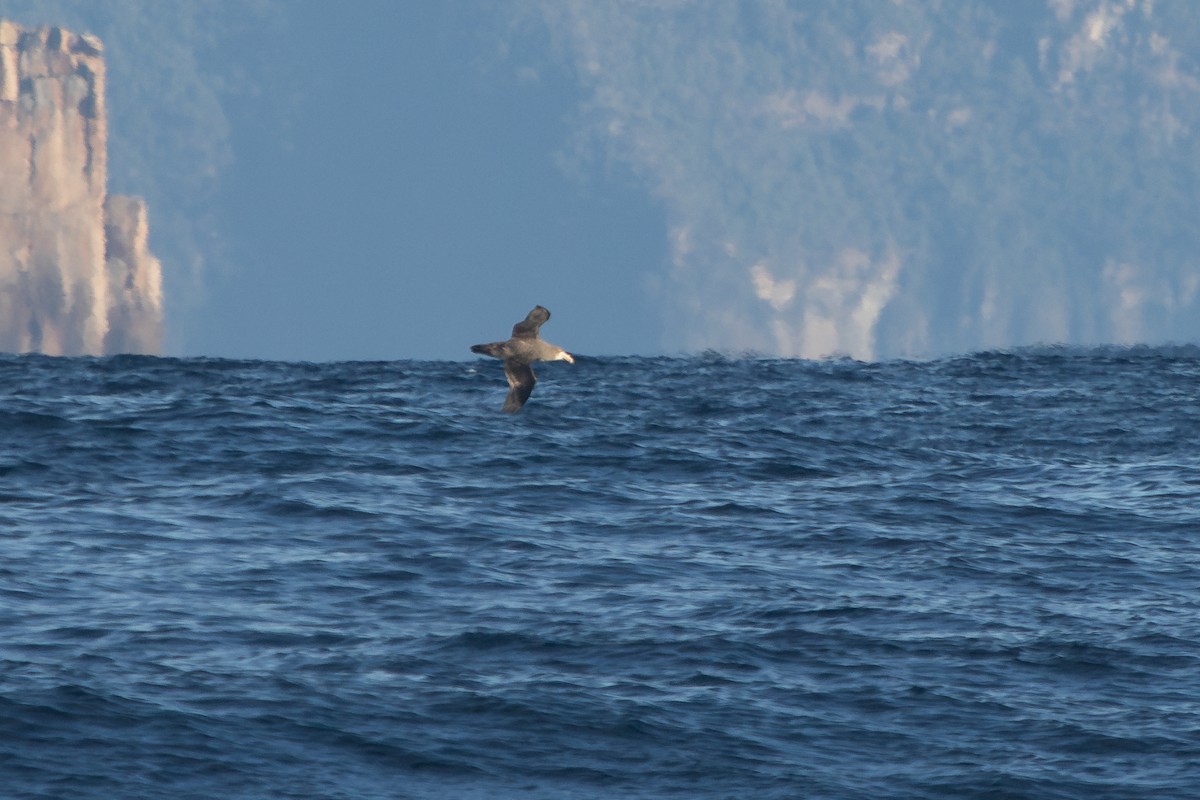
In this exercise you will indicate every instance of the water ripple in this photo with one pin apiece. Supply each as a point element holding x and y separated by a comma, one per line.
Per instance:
<point>667,577</point>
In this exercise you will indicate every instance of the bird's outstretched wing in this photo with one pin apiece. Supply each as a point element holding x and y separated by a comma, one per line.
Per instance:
<point>520,385</point>
<point>528,327</point>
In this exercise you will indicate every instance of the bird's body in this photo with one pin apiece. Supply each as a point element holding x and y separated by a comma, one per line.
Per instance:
<point>518,355</point>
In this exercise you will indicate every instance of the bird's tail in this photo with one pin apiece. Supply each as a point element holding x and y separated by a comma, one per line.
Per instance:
<point>492,349</point>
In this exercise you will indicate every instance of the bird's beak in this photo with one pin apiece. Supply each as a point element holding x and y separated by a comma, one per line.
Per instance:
<point>566,357</point>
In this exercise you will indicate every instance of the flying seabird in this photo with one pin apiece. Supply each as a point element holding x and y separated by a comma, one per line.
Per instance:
<point>519,353</point>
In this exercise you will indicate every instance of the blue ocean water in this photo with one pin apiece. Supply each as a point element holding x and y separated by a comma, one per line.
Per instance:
<point>699,577</point>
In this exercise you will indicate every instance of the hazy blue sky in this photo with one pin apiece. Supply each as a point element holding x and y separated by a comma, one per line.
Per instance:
<point>413,205</point>
<point>375,179</point>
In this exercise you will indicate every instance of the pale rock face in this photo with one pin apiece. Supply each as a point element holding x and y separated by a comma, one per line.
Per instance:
<point>76,275</point>
<point>134,279</point>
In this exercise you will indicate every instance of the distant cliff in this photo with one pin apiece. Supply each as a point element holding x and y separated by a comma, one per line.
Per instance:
<point>902,179</point>
<point>76,274</point>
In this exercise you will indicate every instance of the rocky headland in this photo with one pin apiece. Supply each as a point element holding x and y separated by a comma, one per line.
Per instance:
<point>76,273</point>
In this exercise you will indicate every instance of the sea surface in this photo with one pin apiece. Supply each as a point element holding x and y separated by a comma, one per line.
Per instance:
<point>701,577</point>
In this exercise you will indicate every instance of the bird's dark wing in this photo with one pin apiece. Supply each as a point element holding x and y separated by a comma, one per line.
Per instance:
<point>528,328</point>
<point>520,385</point>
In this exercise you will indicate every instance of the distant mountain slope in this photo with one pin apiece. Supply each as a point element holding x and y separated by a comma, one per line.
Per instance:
<point>854,177</point>
<point>907,178</point>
